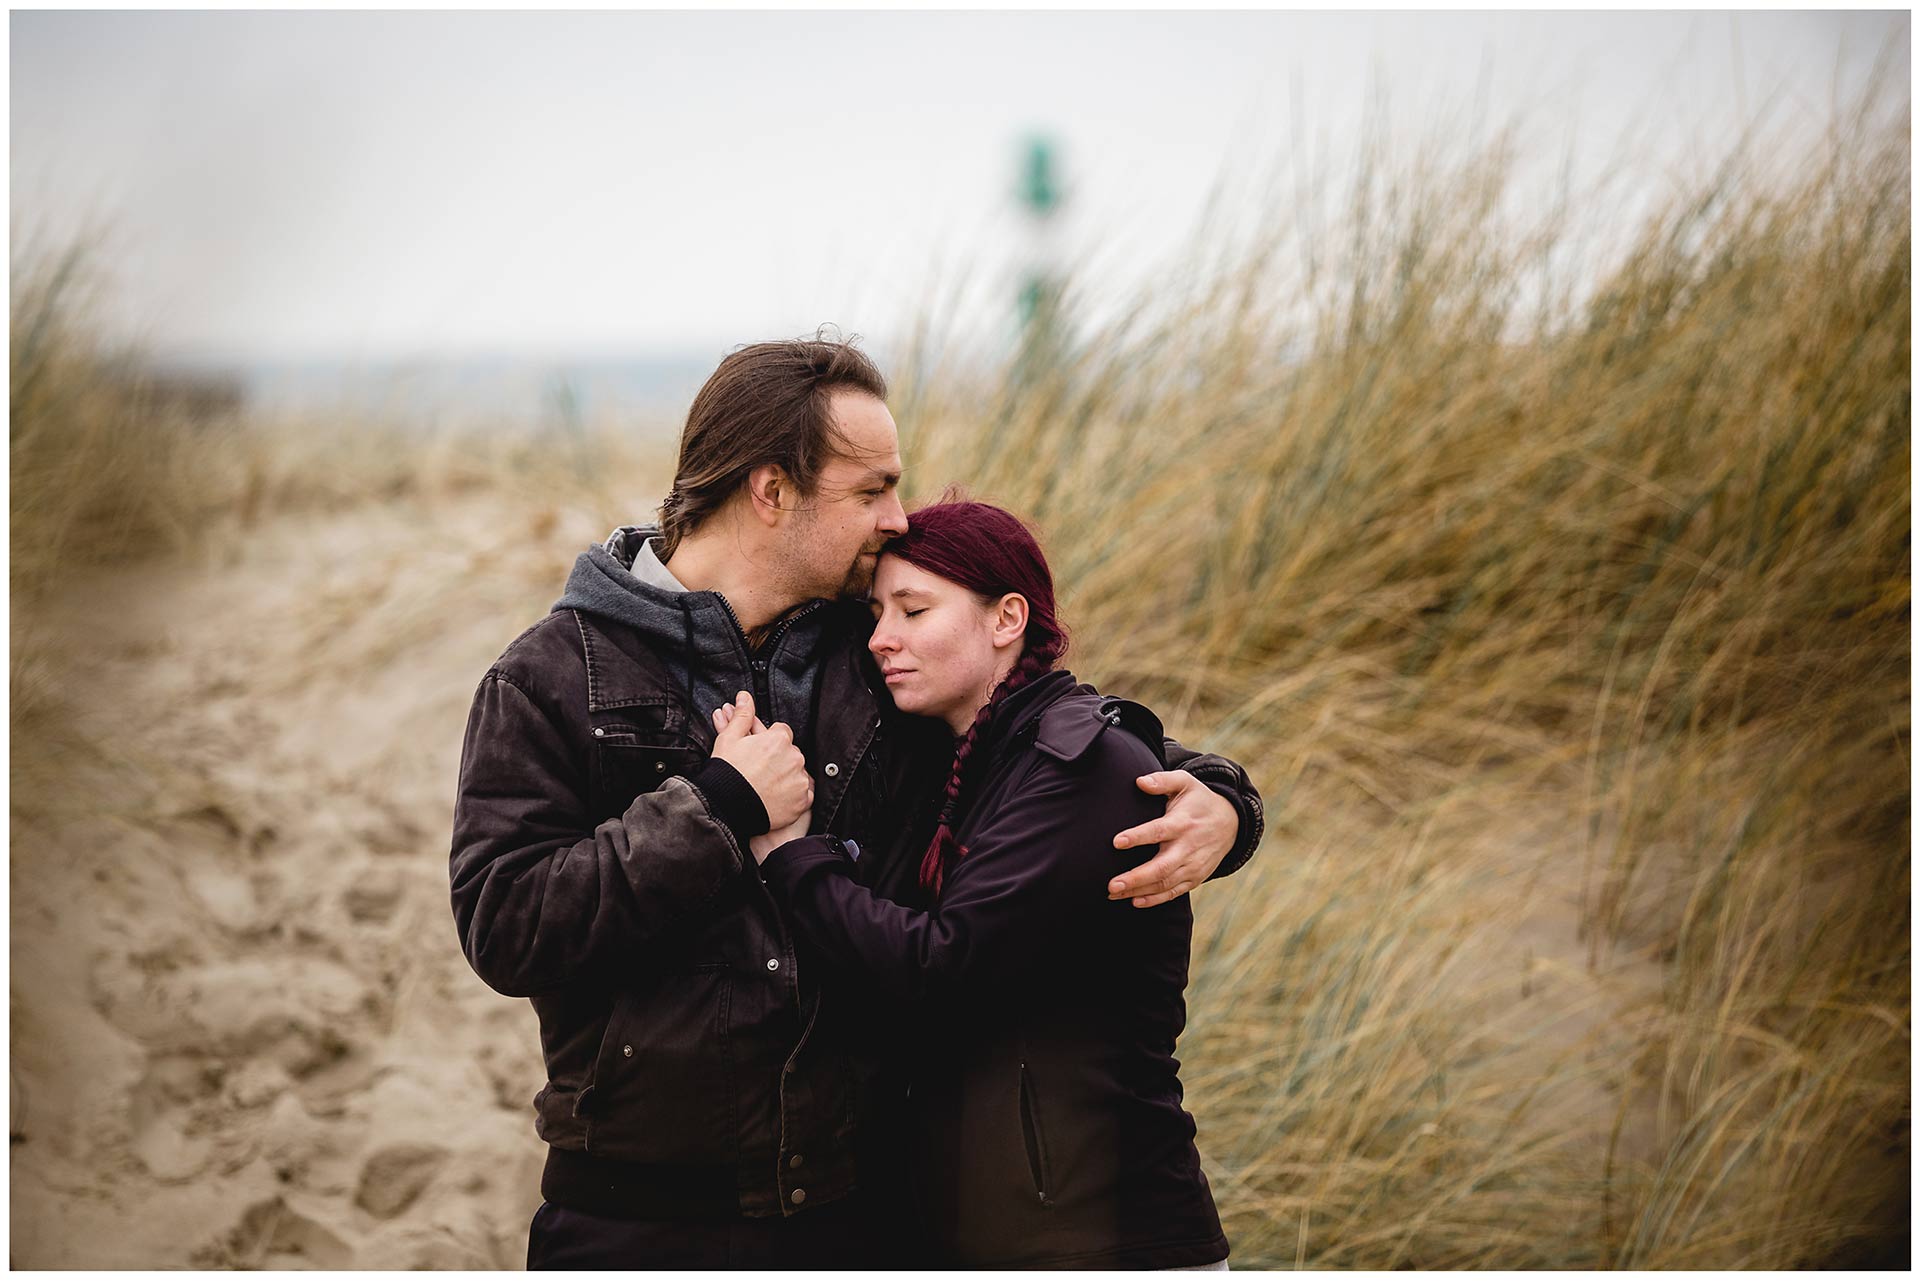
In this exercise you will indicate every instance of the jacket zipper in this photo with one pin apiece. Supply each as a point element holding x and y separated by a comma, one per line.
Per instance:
<point>762,692</point>
<point>763,705</point>
<point>1032,1137</point>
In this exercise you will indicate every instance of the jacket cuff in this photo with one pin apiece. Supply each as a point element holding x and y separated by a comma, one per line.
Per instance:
<point>1253,824</point>
<point>792,863</point>
<point>732,799</point>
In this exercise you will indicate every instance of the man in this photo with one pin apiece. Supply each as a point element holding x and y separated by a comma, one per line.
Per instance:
<point>699,1110</point>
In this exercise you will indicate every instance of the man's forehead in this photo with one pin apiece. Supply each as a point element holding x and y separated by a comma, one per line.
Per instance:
<point>864,465</point>
<point>862,423</point>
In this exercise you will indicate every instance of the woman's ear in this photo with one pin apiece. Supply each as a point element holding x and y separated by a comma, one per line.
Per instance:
<point>1009,620</point>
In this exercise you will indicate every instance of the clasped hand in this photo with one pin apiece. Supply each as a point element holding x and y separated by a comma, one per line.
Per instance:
<point>776,770</point>
<point>1194,836</point>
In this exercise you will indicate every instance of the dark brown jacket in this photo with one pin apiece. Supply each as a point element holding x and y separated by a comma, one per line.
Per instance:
<point>691,1069</point>
<point>1045,1127</point>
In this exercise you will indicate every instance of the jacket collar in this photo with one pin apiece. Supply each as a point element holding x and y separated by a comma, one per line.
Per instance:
<point>696,638</point>
<point>1021,709</point>
<point>1065,718</point>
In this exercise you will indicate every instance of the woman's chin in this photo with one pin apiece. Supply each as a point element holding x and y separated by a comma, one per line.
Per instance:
<point>915,703</point>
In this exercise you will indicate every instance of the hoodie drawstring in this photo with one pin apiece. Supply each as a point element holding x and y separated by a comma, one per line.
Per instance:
<point>687,654</point>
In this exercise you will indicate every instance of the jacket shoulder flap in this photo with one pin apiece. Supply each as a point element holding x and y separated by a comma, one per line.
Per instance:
<point>622,668</point>
<point>1074,724</point>
<point>545,659</point>
<point>571,660</point>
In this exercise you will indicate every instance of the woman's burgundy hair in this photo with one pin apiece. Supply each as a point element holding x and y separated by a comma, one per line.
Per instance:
<point>989,552</point>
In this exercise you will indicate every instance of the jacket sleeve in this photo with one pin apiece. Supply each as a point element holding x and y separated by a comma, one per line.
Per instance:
<point>1230,781</point>
<point>1046,851</point>
<point>540,895</point>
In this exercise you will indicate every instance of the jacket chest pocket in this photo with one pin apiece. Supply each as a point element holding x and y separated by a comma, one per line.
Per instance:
<point>638,750</point>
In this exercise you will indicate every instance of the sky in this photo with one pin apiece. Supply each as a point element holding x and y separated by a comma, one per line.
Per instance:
<point>363,186</point>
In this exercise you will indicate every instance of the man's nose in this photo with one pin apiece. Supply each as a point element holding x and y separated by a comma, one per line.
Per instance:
<point>894,519</point>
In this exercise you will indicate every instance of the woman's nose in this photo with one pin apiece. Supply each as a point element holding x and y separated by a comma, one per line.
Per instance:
<point>880,642</point>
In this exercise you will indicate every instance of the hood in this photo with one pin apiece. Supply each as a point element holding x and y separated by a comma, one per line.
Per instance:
<point>602,584</point>
<point>697,634</point>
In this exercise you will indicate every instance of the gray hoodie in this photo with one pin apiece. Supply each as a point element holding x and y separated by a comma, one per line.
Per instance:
<point>699,637</point>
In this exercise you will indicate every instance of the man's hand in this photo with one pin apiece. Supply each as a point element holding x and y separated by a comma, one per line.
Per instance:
<point>767,843</point>
<point>766,758</point>
<point>1195,836</point>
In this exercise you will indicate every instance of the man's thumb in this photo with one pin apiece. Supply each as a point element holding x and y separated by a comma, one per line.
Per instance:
<point>742,723</point>
<point>1159,784</point>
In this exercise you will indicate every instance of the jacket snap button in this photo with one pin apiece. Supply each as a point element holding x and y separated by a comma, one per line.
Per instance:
<point>659,767</point>
<point>773,962</point>
<point>627,1050</point>
<point>832,770</point>
<point>799,1196</point>
<point>598,732</point>
<point>796,1161</point>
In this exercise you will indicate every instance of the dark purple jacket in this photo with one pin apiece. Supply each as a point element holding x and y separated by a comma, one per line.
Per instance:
<point>1045,1127</point>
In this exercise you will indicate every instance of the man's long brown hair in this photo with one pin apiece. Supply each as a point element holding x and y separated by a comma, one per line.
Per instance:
<point>766,403</point>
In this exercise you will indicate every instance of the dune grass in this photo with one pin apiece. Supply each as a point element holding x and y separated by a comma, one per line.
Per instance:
<point>1585,621</point>
<point>1566,635</point>
<point>109,466</point>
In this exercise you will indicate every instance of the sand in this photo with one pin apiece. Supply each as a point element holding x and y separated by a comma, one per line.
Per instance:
<point>243,1033</point>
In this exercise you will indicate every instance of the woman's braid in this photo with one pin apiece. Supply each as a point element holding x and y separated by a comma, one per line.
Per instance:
<point>988,551</point>
<point>1033,663</point>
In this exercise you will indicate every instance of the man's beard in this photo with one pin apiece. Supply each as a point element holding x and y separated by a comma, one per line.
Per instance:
<point>858,583</point>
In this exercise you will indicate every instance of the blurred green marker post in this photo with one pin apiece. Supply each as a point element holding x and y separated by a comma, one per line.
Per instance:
<point>1039,301</point>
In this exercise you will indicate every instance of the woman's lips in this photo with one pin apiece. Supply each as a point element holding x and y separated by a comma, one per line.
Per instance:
<point>897,674</point>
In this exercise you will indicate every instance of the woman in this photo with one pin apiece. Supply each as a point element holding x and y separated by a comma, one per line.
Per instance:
<point>1045,1126</point>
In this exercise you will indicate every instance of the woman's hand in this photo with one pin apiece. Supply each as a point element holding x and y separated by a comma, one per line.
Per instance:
<point>1195,836</point>
<point>768,842</point>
